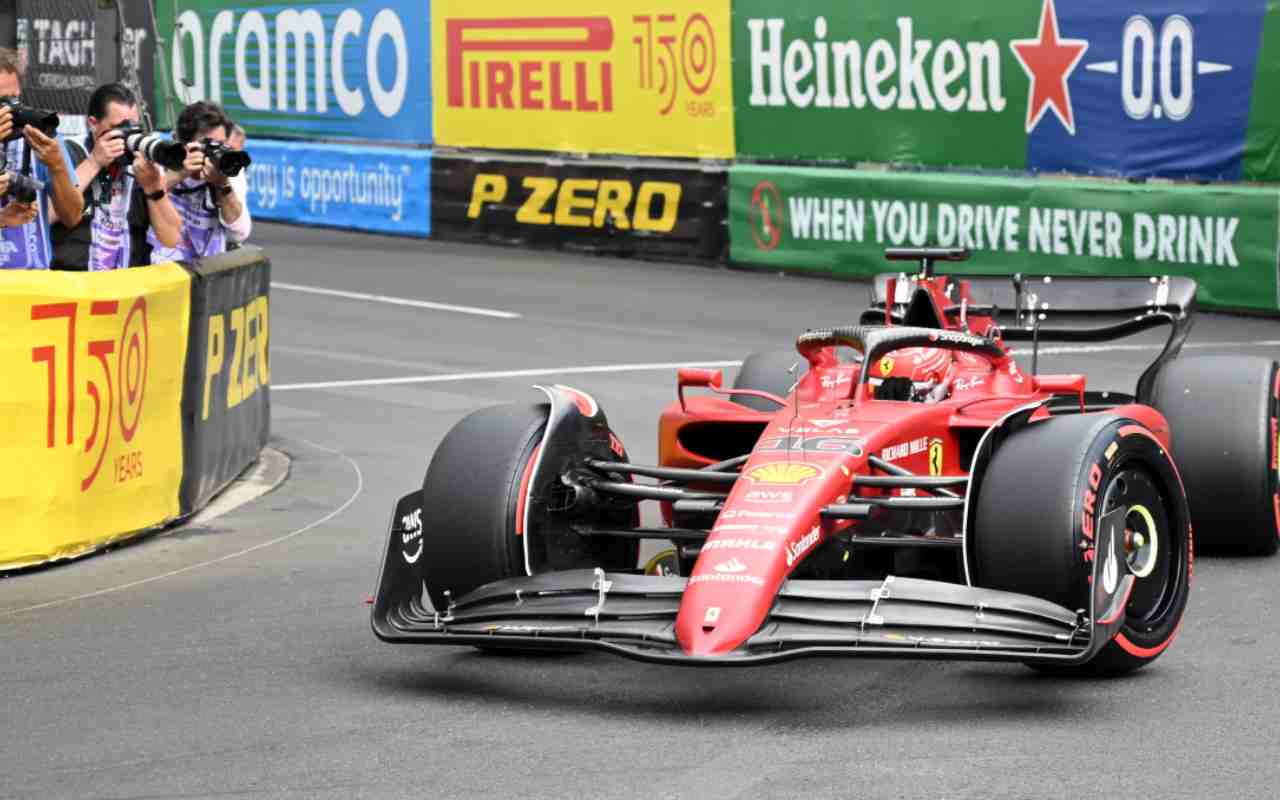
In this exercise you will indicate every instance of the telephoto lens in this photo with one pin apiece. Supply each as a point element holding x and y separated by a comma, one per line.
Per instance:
<point>23,115</point>
<point>23,188</point>
<point>229,162</point>
<point>156,149</point>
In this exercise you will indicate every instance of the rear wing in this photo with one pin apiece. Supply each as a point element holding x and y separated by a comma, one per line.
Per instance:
<point>1052,308</point>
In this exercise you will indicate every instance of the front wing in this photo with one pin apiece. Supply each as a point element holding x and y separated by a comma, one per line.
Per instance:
<point>634,615</point>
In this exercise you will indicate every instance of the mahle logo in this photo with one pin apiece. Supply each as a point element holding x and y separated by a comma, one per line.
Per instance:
<point>298,53</point>
<point>766,216</point>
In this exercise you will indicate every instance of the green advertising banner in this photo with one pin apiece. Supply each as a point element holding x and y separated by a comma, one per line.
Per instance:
<point>840,221</point>
<point>1135,88</point>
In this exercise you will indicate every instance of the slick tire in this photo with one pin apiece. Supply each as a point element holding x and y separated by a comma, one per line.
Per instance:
<point>768,372</point>
<point>471,499</point>
<point>1222,413</point>
<point>1043,492</point>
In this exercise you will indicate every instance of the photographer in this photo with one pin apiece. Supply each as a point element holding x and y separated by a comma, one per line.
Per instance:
<point>24,224</point>
<point>211,211</point>
<point>122,203</point>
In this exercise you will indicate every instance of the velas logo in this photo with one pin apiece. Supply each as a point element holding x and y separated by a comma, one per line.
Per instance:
<point>530,63</point>
<point>766,216</point>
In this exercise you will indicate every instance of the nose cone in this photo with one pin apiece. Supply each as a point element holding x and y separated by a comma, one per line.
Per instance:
<point>727,600</point>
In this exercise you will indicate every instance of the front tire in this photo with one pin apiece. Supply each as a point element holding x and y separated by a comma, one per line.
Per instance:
<point>1039,503</point>
<point>472,501</point>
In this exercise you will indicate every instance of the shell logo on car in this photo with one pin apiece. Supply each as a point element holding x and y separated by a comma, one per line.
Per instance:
<point>785,474</point>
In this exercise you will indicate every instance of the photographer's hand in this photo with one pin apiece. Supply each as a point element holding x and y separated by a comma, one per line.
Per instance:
<point>193,167</point>
<point>68,203</point>
<point>15,215</point>
<point>108,148</point>
<point>164,217</point>
<point>6,123</point>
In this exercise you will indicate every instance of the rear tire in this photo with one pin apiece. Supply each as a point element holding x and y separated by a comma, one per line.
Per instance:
<point>1032,523</point>
<point>1222,413</point>
<point>768,372</point>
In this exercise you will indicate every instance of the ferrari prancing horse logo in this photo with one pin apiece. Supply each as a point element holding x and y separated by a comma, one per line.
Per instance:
<point>886,366</point>
<point>935,457</point>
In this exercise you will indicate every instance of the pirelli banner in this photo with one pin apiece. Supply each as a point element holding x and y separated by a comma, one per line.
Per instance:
<point>840,221</point>
<point>641,77</point>
<point>105,379</point>
<point>667,211</point>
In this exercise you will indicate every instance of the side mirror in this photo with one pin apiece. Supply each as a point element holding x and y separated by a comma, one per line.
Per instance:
<point>691,376</point>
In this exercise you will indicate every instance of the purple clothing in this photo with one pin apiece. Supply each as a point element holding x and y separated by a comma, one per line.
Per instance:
<point>202,233</point>
<point>28,246</point>
<point>111,245</point>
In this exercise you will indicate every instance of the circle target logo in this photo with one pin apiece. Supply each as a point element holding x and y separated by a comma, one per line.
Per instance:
<point>698,53</point>
<point>135,347</point>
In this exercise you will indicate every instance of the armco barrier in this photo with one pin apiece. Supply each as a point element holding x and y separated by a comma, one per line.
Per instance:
<point>226,401</point>
<point>96,377</point>
<point>839,222</point>
<point>670,210</point>
<point>637,77</point>
<point>1160,88</point>
<point>378,189</point>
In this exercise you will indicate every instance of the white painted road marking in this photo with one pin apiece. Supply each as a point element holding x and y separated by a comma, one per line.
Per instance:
<point>396,301</point>
<point>513,373</point>
<point>536,373</point>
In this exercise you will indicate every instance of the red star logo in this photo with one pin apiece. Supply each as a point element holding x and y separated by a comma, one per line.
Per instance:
<point>1048,62</point>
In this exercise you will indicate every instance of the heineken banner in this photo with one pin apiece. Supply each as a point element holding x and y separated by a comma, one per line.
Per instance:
<point>840,222</point>
<point>1167,88</point>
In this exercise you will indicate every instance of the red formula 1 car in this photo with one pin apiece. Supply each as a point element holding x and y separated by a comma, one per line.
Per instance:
<point>900,487</point>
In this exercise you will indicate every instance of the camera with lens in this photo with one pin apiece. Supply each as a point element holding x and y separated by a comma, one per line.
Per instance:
<point>23,188</point>
<point>153,147</point>
<point>229,162</point>
<point>23,115</point>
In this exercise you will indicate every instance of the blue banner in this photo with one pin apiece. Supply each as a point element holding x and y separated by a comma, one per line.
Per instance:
<point>313,69</point>
<point>378,189</point>
<point>1160,89</point>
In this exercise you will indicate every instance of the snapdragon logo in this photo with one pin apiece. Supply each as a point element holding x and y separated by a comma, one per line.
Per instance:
<point>297,55</point>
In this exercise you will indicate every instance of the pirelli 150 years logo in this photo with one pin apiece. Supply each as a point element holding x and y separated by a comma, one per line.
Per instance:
<point>648,77</point>
<point>91,387</point>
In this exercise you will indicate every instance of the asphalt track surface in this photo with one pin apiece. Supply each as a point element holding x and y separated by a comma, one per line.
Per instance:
<point>236,660</point>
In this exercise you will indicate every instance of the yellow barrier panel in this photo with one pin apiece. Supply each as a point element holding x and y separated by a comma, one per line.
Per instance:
<point>642,77</point>
<point>91,368</point>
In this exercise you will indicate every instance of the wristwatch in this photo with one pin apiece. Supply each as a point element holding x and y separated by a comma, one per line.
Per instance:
<point>158,194</point>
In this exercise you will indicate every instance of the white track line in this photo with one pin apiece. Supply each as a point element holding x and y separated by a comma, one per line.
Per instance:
<point>512,373</point>
<point>131,584</point>
<point>396,301</point>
